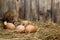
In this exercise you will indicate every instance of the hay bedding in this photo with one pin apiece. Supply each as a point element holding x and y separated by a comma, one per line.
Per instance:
<point>44,32</point>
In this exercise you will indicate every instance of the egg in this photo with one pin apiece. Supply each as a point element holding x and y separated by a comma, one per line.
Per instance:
<point>9,25</point>
<point>25,22</point>
<point>30,29</point>
<point>20,29</point>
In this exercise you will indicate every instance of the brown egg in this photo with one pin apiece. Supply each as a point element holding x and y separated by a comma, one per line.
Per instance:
<point>25,22</point>
<point>20,29</point>
<point>30,29</point>
<point>9,25</point>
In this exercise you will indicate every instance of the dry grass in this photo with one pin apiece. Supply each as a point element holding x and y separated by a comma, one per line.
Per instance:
<point>45,31</point>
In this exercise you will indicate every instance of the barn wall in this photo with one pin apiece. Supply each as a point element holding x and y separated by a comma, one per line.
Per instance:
<point>41,10</point>
<point>57,10</point>
<point>6,5</point>
<point>33,9</point>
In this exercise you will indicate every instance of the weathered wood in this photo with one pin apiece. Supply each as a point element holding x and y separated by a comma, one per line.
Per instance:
<point>32,9</point>
<point>9,10</point>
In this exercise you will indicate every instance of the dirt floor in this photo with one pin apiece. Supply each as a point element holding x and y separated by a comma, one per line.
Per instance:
<point>45,31</point>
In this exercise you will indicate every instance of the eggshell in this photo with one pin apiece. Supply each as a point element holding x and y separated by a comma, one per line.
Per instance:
<point>10,26</point>
<point>20,29</point>
<point>30,29</point>
<point>25,22</point>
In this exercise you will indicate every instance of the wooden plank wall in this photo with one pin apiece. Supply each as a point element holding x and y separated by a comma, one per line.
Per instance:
<point>6,5</point>
<point>40,10</point>
<point>33,9</point>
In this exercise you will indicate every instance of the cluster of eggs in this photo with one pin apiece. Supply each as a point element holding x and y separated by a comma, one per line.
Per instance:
<point>24,27</point>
